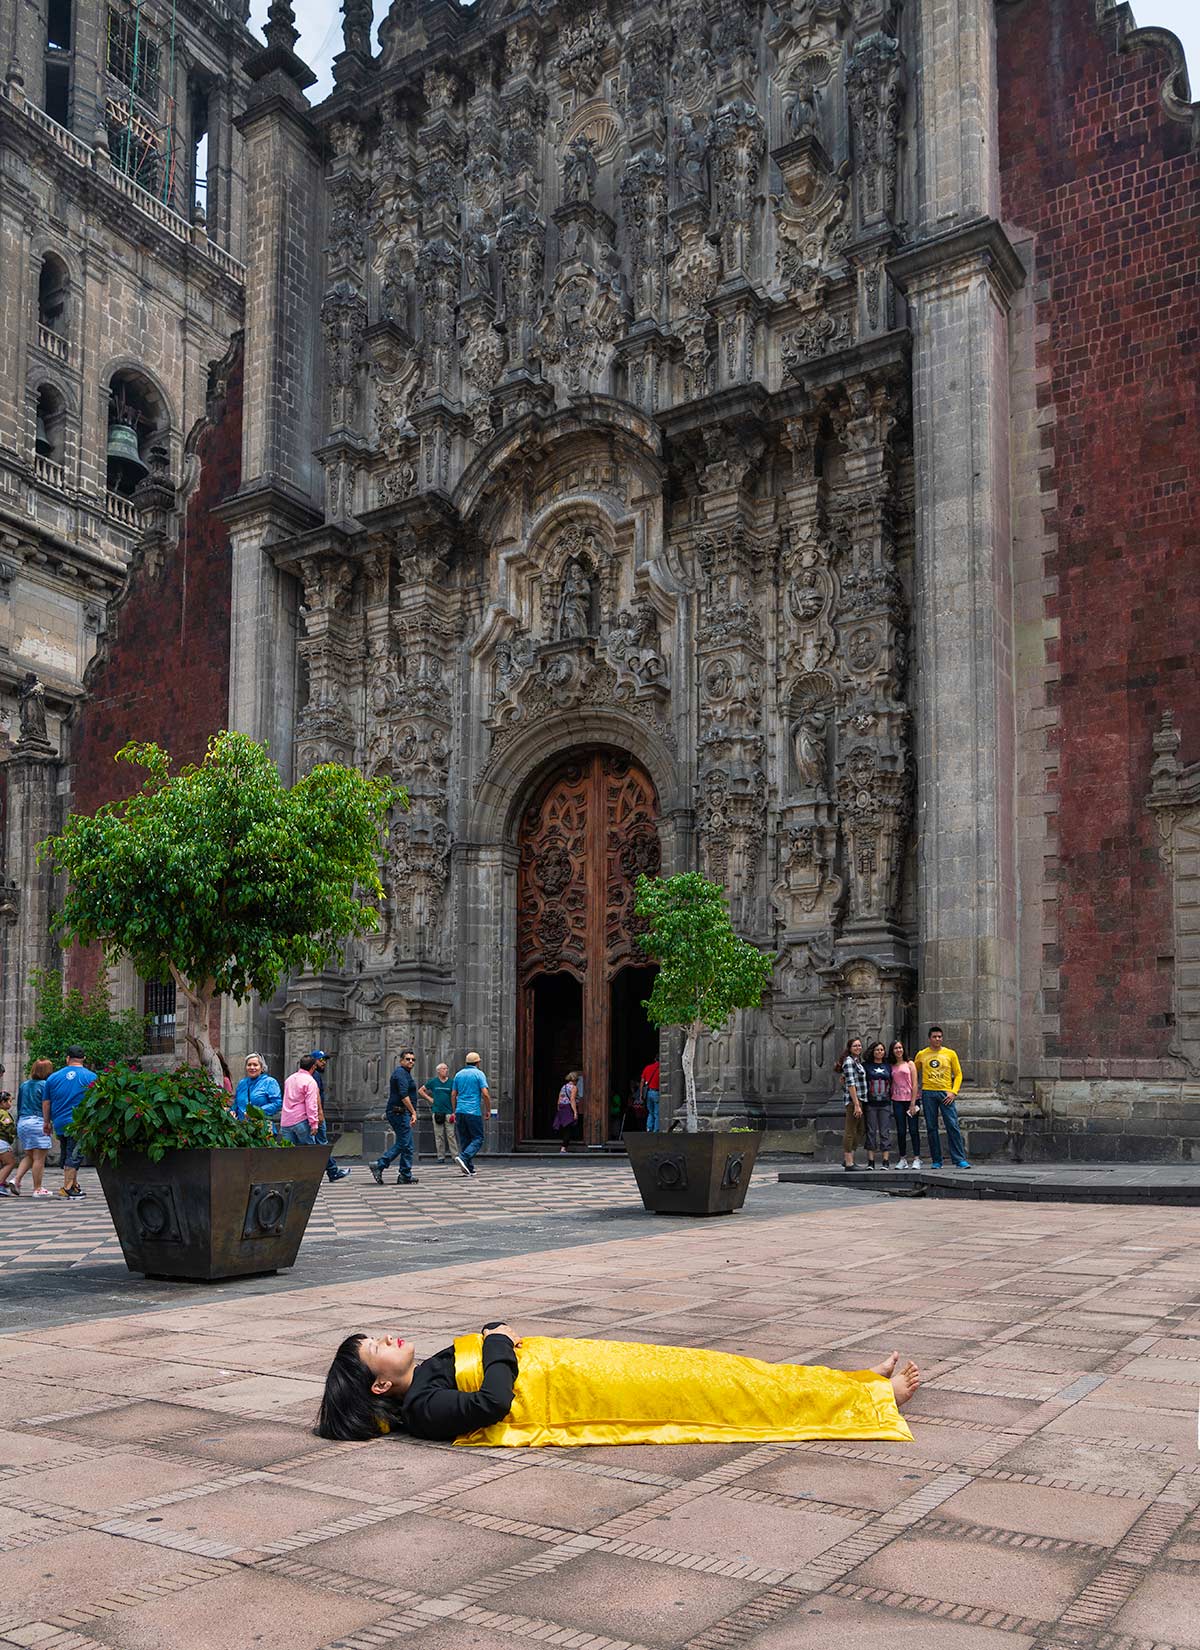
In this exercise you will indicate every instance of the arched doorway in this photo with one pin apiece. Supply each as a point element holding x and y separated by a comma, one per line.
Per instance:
<point>590,827</point>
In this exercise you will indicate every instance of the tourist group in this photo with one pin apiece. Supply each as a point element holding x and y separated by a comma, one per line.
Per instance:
<point>888,1088</point>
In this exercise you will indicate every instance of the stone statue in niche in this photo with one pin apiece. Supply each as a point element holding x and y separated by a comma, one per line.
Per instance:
<point>31,707</point>
<point>574,609</point>
<point>579,170</point>
<point>692,154</point>
<point>808,748</point>
<point>800,106</point>
<point>475,260</point>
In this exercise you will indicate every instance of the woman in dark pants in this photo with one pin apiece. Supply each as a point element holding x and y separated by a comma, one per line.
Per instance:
<point>906,1093</point>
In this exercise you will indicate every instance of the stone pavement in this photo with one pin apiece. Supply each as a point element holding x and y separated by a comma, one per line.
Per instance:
<point>1173,1183</point>
<point>161,1488</point>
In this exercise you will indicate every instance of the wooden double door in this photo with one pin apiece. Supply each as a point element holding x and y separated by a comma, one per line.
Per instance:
<point>590,827</point>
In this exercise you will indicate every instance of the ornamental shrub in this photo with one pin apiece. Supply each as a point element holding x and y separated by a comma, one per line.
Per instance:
<point>153,1112</point>
<point>64,1019</point>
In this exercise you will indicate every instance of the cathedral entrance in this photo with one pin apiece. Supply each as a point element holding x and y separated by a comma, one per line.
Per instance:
<point>588,831</point>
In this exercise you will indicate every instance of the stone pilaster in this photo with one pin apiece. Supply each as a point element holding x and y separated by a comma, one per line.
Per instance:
<point>958,287</point>
<point>26,888</point>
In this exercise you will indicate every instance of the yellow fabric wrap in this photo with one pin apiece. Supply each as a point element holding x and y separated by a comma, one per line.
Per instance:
<point>621,1392</point>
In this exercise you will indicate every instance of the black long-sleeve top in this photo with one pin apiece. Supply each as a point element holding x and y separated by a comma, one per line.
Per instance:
<point>435,1408</point>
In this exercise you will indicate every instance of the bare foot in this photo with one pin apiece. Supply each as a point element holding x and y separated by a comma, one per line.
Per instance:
<point>905,1383</point>
<point>888,1365</point>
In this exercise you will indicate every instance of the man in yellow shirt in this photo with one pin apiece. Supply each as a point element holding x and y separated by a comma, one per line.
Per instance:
<point>941,1078</point>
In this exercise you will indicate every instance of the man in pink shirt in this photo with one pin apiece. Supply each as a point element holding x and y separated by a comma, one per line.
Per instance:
<point>301,1105</point>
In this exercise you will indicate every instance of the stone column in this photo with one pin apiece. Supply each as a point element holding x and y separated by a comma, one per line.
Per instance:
<point>31,772</point>
<point>282,403</point>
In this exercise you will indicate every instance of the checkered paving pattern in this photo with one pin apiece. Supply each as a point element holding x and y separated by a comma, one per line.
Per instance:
<point>160,1487</point>
<point>42,1232</point>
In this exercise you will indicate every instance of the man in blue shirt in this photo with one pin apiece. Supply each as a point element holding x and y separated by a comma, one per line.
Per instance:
<point>472,1104</point>
<point>401,1114</point>
<point>64,1090</point>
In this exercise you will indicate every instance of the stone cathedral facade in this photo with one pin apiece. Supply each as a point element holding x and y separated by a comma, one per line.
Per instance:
<point>648,426</point>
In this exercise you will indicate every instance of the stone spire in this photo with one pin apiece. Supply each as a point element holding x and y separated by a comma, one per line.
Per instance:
<point>278,62</point>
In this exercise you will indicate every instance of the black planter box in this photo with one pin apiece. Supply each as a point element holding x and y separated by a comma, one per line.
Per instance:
<point>224,1213</point>
<point>693,1174</point>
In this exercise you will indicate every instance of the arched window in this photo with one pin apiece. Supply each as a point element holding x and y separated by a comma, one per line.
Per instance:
<point>53,287</point>
<point>50,440</point>
<point>138,431</point>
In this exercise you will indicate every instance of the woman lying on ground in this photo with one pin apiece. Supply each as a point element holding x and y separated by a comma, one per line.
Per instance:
<point>601,1392</point>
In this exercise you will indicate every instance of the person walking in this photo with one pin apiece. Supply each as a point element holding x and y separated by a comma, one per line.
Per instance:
<point>34,1133</point>
<point>566,1115</point>
<point>301,1109</point>
<point>258,1088</point>
<point>649,1093</point>
<point>8,1142</point>
<point>879,1105</point>
<point>401,1114</point>
<point>437,1093</point>
<point>333,1169</point>
<point>940,1078</point>
<point>905,1090</point>
<point>472,1102</point>
<point>65,1088</point>
<point>854,1094</point>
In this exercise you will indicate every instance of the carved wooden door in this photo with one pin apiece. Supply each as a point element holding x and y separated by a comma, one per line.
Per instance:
<point>589,830</point>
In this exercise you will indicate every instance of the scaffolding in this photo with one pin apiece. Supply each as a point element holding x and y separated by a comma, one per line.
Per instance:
<point>141,122</point>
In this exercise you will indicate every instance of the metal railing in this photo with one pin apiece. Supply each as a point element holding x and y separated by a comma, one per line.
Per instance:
<point>52,343</point>
<point>84,155</point>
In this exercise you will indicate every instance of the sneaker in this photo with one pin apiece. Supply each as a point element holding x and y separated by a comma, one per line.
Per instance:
<point>916,1163</point>
<point>903,1163</point>
<point>43,1193</point>
<point>885,1165</point>
<point>76,1192</point>
<point>6,1190</point>
<point>849,1167</point>
<point>471,1170</point>
<point>462,1165</point>
<point>962,1164</point>
<point>935,1165</point>
<point>376,1173</point>
<point>870,1165</point>
<point>340,1175</point>
<point>13,1187</point>
<point>408,1180</point>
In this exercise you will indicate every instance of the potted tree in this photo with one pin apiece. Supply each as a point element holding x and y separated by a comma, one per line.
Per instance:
<point>222,879</point>
<point>705,973</point>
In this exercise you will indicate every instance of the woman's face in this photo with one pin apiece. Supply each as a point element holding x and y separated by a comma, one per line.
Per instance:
<point>878,1053</point>
<point>253,1068</point>
<point>897,1052</point>
<point>389,1358</point>
<point>856,1047</point>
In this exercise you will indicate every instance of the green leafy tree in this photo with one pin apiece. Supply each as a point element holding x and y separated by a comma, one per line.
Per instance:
<point>64,1019</point>
<point>704,971</point>
<point>220,877</point>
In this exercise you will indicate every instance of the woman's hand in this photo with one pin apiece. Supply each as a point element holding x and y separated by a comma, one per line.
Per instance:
<point>857,1109</point>
<point>503,1329</point>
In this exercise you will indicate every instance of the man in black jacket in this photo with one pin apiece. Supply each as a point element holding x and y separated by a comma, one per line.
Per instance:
<point>333,1169</point>
<point>401,1114</point>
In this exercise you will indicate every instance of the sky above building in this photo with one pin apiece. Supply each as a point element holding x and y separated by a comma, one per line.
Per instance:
<point>320,25</point>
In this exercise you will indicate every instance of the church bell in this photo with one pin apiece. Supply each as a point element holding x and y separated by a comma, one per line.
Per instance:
<point>123,456</point>
<point>42,444</point>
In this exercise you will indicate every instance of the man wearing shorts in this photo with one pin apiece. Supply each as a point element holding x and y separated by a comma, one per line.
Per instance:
<point>65,1088</point>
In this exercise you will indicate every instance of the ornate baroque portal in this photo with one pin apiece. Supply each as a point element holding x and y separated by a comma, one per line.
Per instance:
<point>588,831</point>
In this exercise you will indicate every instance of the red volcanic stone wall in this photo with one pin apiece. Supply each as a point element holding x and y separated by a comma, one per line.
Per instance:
<point>1110,185</point>
<point>165,673</point>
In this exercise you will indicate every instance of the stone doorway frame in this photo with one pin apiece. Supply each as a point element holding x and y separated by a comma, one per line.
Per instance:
<point>487,888</point>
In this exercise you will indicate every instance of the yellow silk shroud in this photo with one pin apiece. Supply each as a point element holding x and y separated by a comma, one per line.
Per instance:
<point>621,1392</point>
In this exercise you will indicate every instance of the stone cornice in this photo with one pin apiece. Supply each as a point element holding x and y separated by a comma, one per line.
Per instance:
<point>941,260</point>
<point>268,500</point>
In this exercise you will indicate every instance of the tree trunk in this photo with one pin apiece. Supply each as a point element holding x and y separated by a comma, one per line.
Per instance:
<point>197,1006</point>
<point>689,1077</point>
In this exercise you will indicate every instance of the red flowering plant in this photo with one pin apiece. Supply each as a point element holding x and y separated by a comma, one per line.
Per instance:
<point>152,1112</point>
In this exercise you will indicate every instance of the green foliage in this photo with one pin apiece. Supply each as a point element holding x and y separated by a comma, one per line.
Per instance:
<point>66,1018</point>
<point>153,1112</point>
<point>221,872</point>
<point>704,971</point>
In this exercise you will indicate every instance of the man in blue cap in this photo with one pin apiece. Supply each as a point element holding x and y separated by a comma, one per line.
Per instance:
<point>333,1169</point>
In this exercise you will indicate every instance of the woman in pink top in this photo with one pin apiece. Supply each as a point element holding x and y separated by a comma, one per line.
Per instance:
<point>905,1090</point>
<point>300,1115</point>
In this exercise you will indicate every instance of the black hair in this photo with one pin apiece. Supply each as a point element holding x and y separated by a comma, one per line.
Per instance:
<point>850,1042</point>
<point>891,1050</point>
<point>305,1063</point>
<point>405,1052</point>
<point>878,1043</point>
<point>932,1029</point>
<point>349,1409</point>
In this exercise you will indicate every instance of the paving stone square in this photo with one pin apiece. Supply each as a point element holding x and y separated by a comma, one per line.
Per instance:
<point>1051,1496</point>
